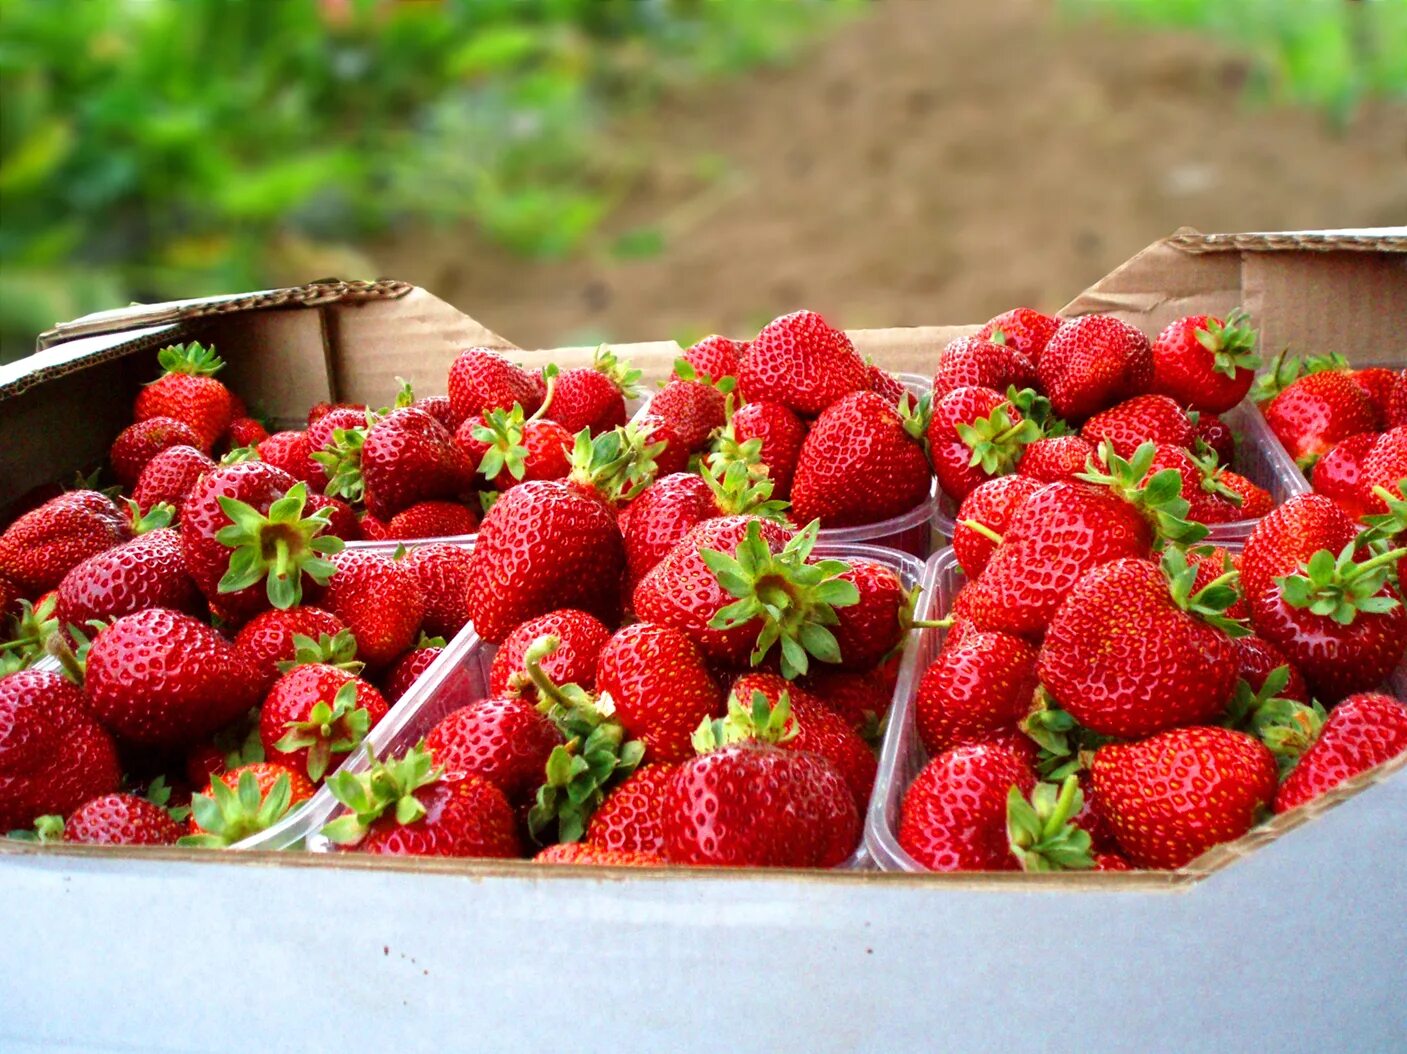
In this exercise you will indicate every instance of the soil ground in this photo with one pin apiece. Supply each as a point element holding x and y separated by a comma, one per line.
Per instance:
<point>931,162</point>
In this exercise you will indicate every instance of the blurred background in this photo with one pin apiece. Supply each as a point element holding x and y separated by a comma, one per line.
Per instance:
<point>574,170</point>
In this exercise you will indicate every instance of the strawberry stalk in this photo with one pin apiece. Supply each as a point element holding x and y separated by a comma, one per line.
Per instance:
<point>1285,369</point>
<point>227,816</point>
<point>279,547</point>
<point>33,627</point>
<point>367,795</point>
<point>983,530</point>
<point>1340,588</point>
<point>1039,831</point>
<point>159,515</point>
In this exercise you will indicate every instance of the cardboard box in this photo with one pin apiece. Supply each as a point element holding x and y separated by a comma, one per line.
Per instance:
<point>1296,945</point>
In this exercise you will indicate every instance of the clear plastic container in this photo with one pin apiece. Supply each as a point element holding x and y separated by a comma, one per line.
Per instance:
<point>1259,457</point>
<point>902,755</point>
<point>459,677</point>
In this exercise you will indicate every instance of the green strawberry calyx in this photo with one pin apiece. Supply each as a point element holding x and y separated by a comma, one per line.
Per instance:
<point>1065,744</point>
<point>915,415</point>
<point>502,432</point>
<point>337,649</point>
<point>1158,497</point>
<point>158,516</point>
<point>341,460</point>
<point>239,455</point>
<point>30,630</point>
<point>279,547</point>
<point>1232,342</point>
<point>193,359</point>
<point>761,721</point>
<point>226,816</point>
<point>1210,603</point>
<point>621,373</point>
<point>737,491</point>
<point>1033,406</point>
<point>330,728</point>
<point>1212,471</point>
<point>1340,587</point>
<point>684,371</point>
<point>1286,726</point>
<point>158,792</point>
<point>47,830</point>
<point>793,599</point>
<point>1383,527</point>
<point>1040,832</point>
<point>1285,369</point>
<point>386,784</point>
<point>997,440</point>
<point>617,464</point>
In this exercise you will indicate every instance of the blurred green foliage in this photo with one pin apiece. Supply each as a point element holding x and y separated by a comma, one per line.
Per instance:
<point>152,149</point>
<point>1329,54</point>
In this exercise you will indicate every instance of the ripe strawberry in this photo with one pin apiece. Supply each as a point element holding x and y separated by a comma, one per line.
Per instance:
<point>659,681</point>
<point>801,362</point>
<point>884,383</point>
<point>780,434</point>
<point>544,546</point>
<point>406,670</point>
<point>147,572</point>
<point>662,514</point>
<point>1022,328</point>
<point>245,431</point>
<point>268,638</point>
<point>953,816</point>
<point>322,434</point>
<point>165,679</point>
<point>44,544</point>
<point>581,637</point>
<point>1137,420</point>
<point>1288,537</point>
<point>862,462</point>
<point>980,685</point>
<point>1257,659</point>
<point>1162,656</point>
<point>974,362</point>
<point>320,410</point>
<point>342,519</point>
<point>863,699</point>
<point>1173,796</point>
<point>1213,563</point>
<point>1213,494</point>
<point>244,801</point>
<point>121,819</point>
<point>1055,458</point>
<point>315,712</point>
<point>1317,411</point>
<point>593,396</point>
<point>1255,501</point>
<point>1206,363</point>
<point>973,435</point>
<point>1376,383</point>
<point>631,817</point>
<point>480,379</point>
<point>1364,730</point>
<point>138,443</point>
<point>1384,465</point>
<point>189,392</point>
<point>53,755</point>
<point>1396,414</point>
<point>990,507</point>
<point>441,409</point>
<point>1092,363</point>
<point>169,477</point>
<point>501,739</point>
<point>873,627</point>
<point>673,452</point>
<point>715,357</point>
<point>292,452</point>
<point>1217,435</point>
<point>442,571</point>
<point>408,457</point>
<point>595,855</point>
<point>430,519</point>
<point>694,409</point>
<point>409,807</point>
<point>380,600</point>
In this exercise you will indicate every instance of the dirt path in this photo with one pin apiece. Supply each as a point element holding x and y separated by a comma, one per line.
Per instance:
<point>933,162</point>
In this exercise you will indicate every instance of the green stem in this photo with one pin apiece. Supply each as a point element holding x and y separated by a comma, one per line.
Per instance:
<point>532,662</point>
<point>59,649</point>
<point>983,530</point>
<point>1220,580</point>
<point>1359,570</point>
<point>1064,807</point>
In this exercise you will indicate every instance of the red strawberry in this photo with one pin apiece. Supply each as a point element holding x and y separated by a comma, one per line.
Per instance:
<point>1289,536</point>
<point>244,801</point>
<point>1092,363</point>
<point>1377,383</point>
<point>594,855</point>
<point>1173,796</point>
<point>480,379</point>
<point>1055,458</point>
<point>544,546</point>
<point>315,712</point>
<point>322,433</point>
<point>662,514</point>
<point>715,357</point>
<point>991,506</point>
<point>1206,363</point>
<point>659,682</point>
<point>862,462</point>
<point>953,816</point>
<point>267,639</point>
<point>320,410</point>
<point>121,819</point>
<point>631,817</point>
<point>673,452</point>
<point>1213,562</point>
<point>1022,328</point>
<point>1216,433</point>
<point>342,519</point>
<point>292,452</point>
<point>801,362</point>
<point>406,670</point>
<point>875,625</point>
<point>1364,730</point>
<point>1317,411</point>
<point>980,685</point>
<point>162,678</point>
<point>245,432</point>
<point>442,571</point>
<point>44,544</point>
<point>501,739</point>
<point>974,362</point>
<point>884,383</point>
<point>408,807</point>
<point>147,572</point>
<point>780,434</point>
<point>138,443</point>
<point>1213,494</point>
<point>53,755</point>
<point>189,392</point>
<point>1157,664</point>
<point>593,396</point>
<point>380,600</point>
<point>431,519</point>
<point>973,435</point>
<point>1384,465</point>
<point>169,477</point>
<point>507,449</point>
<point>1397,402</point>
<point>1256,659</point>
<point>1255,501</point>
<point>441,409</point>
<point>581,637</point>
<point>863,699</point>
<point>407,457</point>
<point>1137,420</point>
<point>694,410</point>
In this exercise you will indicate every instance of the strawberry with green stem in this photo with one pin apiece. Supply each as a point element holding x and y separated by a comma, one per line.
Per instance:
<point>1362,731</point>
<point>1041,829</point>
<point>1204,362</point>
<point>975,434</point>
<point>512,448</point>
<point>593,397</point>
<point>189,392</point>
<point>243,802</point>
<point>1286,726</point>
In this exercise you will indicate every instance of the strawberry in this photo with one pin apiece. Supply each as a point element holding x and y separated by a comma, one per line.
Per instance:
<point>662,514</point>
<point>1363,731</point>
<point>245,431</point>
<point>1317,411</point>
<point>292,452</point>
<point>138,443</point>
<point>863,699</point>
<point>321,409</point>
<point>189,392</point>
<point>121,819</point>
<point>800,361</point>
<point>1396,414</point>
<point>501,739</point>
<point>873,627</point>
<point>1213,494</point>
<point>980,685</point>
<point>407,457</point>
<point>1213,563</point>
<point>673,452</point>
<point>506,449</point>
<point>1173,796</point>
<point>1092,363</point>
<point>429,519</point>
<point>442,571</point>
<point>1206,363</point>
<point>863,461</point>
<point>147,572</point>
<point>1218,437</point>
<point>659,682</point>
<point>1162,657</point>
<point>1289,536</point>
<point>1022,328</point>
<point>348,422</point>
<point>268,638</point>
<point>973,435</point>
<point>544,546</point>
<point>595,855</point>
<point>630,818</point>
<point>315,712</point>
<point>53,755</point>
<point>169,477</point>
<point>1256,659</point>
<point>441,409</point>
<point>593,396</point>
<point>46,543</point>
<point>246,542</point>
<point>695,410</point>
<point>380,600</point>
<point>581,637</point>
<point>1137,420</point>
<point>480,379</point>
<point>953,816</point>
<point>244,801</point>
<point>779,434</point>
<point>715,357</point>
<point>1376,382</point>
<point>1255,501</point>
<point>1055,458</point>
<point>165,679</point>
<point>342,521</point>
<point>974,362</point>
<point>985,512</point>
<point>1384,465</point>
<point>406,670</point>
<point>410,807</point>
